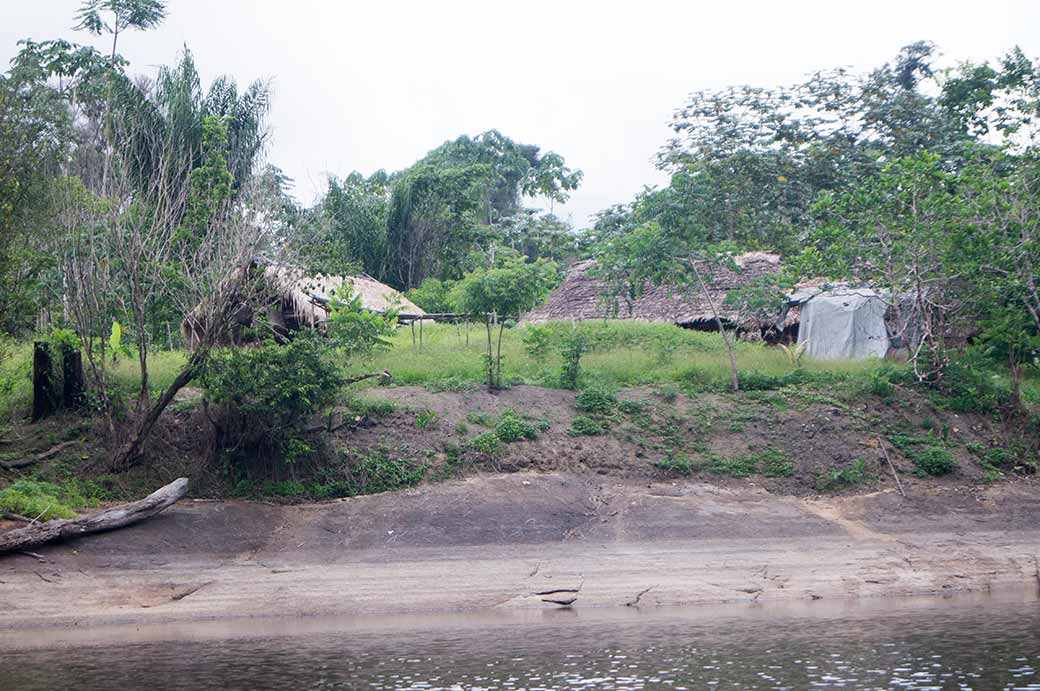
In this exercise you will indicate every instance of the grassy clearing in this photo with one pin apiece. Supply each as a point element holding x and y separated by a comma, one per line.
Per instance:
<point>621,354</point>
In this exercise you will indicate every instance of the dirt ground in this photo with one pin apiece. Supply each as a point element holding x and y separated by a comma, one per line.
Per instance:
<point>492,541</point>
<point>817,434</point>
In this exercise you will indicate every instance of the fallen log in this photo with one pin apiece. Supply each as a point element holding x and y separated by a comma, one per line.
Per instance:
<point>109,519</point>
<point>54,450</point>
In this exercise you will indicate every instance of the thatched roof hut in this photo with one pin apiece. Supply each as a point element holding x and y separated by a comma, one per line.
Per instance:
<point>304,298</point>
<point>295,300</point>
<point>580,296</point>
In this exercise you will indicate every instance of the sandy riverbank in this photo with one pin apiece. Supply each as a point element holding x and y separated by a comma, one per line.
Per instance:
<point>490,543</point>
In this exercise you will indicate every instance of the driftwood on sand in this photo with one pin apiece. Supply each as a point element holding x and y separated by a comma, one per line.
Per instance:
<point>108,519</point>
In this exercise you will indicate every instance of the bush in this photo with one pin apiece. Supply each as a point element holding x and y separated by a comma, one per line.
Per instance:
<point>879,384</point>
<point>971,384</point>
<point>537,341</point>
<point>378,471</point>
<point>585,426</point>
<point>511,427</point>
<point>675,464</point>
<point>487,443</point>
<point>572,347</point>
<point>630,407</point>
<point>266,394</point>
<point>598,401</point>
<point>934,460</point>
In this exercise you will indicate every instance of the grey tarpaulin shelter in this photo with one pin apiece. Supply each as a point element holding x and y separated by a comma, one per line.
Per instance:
<point>842,323</point>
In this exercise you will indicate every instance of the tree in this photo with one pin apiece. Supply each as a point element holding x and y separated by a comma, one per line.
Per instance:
<point>116,16</point>
<point>219,283</point>
<point>652,254</point>
<point>35,130</point>
<point>497,295</point>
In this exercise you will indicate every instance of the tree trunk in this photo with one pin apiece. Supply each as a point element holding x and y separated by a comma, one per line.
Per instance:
<point>130,454</point>
<point>72,390</point>
<point>734,376</point>
<point>44,395</point>
<point>142,360</point>
<point>498,357</point>
<point>109,519</point>
<point>490,369</point>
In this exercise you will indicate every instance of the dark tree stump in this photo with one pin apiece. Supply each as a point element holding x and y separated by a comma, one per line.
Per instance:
<point>44,395</point>
<point>72,389</point>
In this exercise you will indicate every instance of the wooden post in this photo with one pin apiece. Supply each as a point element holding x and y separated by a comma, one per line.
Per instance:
<point>412,325</point>
<point>72,389</point>
<point>420,335</point>
<point>44,398</point>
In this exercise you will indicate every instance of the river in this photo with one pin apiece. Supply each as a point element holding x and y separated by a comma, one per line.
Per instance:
<point>981,643</point>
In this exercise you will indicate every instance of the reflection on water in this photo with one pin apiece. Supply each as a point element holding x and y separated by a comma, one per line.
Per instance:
<point>981,646</point>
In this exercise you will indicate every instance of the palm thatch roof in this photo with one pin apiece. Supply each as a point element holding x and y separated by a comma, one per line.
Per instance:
<point>305,296</point>
<point>581,296</point>
<point>294,299</point>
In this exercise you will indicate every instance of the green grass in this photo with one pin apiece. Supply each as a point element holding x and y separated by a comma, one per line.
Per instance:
<point>621,354</point>
<point>41,500</point>
<point>16,376</point>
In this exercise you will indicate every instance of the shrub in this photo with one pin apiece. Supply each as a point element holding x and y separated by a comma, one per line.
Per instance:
<point>934,460</point>
<point>675,464</point>
<point>584,426</point>
<point>487,443</point>
<point>461,429</point>
<point>629,407</point>
<point>537,341</point>
<point>266,394</point>
<point>598,401</point>
<point>378,471</point>
<point>669,393</point>
<point>970,384</point>
<point>879,384</point>
<point>511,427</point>
<point>572,347</point>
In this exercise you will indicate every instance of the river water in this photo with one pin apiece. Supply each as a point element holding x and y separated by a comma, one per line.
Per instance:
<point>979,644</point>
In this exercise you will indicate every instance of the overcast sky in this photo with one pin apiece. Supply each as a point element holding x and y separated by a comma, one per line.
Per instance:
<point>363,86</point>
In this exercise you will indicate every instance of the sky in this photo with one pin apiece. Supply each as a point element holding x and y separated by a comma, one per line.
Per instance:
<point>370,85</point>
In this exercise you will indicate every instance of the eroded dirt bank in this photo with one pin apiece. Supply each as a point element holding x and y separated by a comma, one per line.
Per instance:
<point>492,541</point>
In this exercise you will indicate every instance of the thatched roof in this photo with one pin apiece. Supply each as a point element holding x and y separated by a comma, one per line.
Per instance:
<point>580,296</point>
<point>306,294</point>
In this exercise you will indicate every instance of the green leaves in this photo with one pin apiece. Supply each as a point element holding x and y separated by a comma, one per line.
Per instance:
<point>135,14</point>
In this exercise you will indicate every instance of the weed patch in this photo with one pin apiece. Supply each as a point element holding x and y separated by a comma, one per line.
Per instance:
<point>583,425</point>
